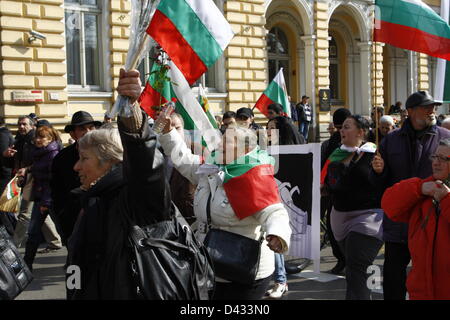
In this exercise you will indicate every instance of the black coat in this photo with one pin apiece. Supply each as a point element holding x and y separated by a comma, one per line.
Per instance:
<point>6,140</point>
<point>63,180</point>
<point>98,245</point>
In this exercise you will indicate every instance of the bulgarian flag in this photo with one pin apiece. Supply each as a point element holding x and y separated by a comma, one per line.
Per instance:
<point>442,86</point>
<point>203,100</point>
<point>194,33</point>
<point>249,182</point>
<point>186,104</point>
<point>276,92</point>
<point>12,190</point>
<point>412,25</point>
<point>342,153</point>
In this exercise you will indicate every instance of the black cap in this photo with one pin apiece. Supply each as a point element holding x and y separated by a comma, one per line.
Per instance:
<point>42,123</point>
<point>340,115</point>
<point>80,118</point>
<point>421,98</point>
<point>246,112</point>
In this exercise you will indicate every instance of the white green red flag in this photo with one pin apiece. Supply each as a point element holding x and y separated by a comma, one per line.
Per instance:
<point>276,92</point>
<point>442,83</point>
<point>186,104</point>
<point>249,182</point>
<point>12,190</point>
<point>203,100</point>
<point>412,25</point>
<point>194,33</point>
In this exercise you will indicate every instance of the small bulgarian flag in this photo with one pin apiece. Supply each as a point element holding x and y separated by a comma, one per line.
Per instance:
<point>276,92</point>
<point>194,33</point>
<point>203,100</point>
<point>342,153</point>
<point>186,104</point>
<point>249,182</point>
<point>11,189</point>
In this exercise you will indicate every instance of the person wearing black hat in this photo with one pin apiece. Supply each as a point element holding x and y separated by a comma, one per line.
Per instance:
<point>244,118</point>
<point>405,153</point>
<point>304,114</point>
<point>64,178</point>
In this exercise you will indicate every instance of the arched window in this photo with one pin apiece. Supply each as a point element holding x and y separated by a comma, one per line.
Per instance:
<point>278,52</point>
<point>334,69</point>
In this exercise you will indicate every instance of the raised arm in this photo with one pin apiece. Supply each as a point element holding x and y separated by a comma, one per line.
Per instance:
<point>143,163</point>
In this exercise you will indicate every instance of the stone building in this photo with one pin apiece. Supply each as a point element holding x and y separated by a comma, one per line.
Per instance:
<point>321,45</point>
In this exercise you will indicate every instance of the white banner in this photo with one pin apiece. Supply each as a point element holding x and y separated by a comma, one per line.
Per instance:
<point>297,172</point>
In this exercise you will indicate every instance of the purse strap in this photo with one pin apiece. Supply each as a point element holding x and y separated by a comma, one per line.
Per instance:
<point>208,218</point>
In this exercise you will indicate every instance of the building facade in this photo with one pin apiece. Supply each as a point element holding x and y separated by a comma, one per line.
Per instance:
<point>320,45</point>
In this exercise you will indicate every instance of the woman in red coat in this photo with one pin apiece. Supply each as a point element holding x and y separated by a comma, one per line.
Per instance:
<point>425,206</point>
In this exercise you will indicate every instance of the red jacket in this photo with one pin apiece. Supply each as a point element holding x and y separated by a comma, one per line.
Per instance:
<point>428,237</point>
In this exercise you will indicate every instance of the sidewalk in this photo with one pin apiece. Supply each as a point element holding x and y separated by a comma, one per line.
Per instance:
<point>49,282</point>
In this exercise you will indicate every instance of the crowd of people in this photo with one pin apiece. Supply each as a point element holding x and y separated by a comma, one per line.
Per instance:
<point>384,182</point>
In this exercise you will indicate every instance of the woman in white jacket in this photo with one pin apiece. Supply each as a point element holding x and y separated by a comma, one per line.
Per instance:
<point>267,216</point>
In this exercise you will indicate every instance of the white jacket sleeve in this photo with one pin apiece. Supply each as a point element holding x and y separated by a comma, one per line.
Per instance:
<point>275,221</point>
<point>182,157</point>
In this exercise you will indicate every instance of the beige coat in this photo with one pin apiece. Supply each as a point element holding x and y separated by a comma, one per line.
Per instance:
<point>274,219</point>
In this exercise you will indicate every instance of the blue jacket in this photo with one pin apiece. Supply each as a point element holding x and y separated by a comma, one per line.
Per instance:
<point>397,150</point>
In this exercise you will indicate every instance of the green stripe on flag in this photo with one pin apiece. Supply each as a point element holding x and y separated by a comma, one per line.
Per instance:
<point>411,15</point>
<point>243,164</point>
<point>275,93</point>
<point>193,30</point>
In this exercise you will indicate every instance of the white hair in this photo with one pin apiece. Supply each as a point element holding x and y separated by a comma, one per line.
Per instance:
<point>105,143</point>
<point>387,120</point>
<point>446,122</point>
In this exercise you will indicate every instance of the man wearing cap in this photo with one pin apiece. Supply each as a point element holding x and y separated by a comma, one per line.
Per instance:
<point>405,153</point>
<point>304,114</point>
<point>244,117</point>
<point>64,178</point>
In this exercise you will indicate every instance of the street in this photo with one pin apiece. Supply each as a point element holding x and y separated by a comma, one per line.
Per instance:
<point>49,281</point>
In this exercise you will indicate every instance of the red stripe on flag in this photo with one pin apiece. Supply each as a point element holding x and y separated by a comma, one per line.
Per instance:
<point>150,98</point>
<point>412,39</point>
<point>172,41</point>
<point>323,173</point>
<point>262,104</point>
<point>252,191</point>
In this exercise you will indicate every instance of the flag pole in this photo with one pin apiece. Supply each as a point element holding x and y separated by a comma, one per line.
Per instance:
<point>374,88</point>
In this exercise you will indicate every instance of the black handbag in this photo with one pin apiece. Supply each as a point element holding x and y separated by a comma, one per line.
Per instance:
<point>168,263</point>
<point>235,257</point>
<point>14,273</point>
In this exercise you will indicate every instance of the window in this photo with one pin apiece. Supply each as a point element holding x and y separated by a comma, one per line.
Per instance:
<point>334,69</point>
<point>278,48</point>
<point>83,44</point>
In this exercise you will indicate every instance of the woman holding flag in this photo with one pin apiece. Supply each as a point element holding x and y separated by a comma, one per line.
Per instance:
<point>237,187</point>
<point>356,217</point>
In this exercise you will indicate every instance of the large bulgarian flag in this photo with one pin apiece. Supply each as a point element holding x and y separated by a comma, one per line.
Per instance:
<point>249,182</point>
<point>194,33</point>
<point>186,104</point>
<point>412,25</point>
<point>276,92</point>
<point>442,83</point>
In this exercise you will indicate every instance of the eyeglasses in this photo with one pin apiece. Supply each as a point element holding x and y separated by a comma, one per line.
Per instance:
<point>440,159</point>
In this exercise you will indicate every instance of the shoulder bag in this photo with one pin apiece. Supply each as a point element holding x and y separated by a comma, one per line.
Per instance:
<point>168,263</point>
<point>235,257</point>
<point>14,273</point>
